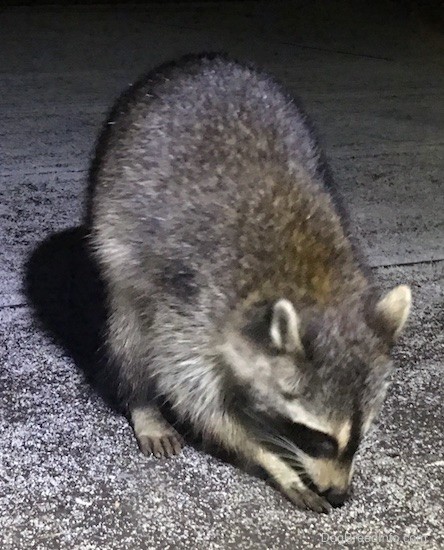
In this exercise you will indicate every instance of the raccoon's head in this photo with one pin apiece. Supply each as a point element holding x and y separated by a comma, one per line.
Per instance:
<point>309,383</point>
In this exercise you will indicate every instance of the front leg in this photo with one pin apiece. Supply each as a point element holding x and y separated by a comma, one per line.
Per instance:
<point>154,434</point>
<point>289,482</point>
<point>231,435</point>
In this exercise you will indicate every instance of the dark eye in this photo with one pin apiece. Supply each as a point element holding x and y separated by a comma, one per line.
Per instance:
<point>313,442</point>
<point>289,395</point>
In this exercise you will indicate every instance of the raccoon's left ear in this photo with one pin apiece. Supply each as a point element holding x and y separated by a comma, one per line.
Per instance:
<point>285,326</point>
<point>392,311</point>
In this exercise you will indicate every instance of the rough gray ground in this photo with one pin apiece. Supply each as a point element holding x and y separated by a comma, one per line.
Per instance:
<point>71,475</point>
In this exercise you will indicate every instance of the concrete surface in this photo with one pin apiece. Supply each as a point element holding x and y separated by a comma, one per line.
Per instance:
<point>71,475</point>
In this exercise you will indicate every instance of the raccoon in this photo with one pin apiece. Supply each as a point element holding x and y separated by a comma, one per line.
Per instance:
<point>235,289</point>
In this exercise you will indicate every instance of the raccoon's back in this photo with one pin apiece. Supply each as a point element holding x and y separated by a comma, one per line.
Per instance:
<point>210,167</point>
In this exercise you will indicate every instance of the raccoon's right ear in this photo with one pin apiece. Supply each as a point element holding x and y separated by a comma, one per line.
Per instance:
<point>285,327</point>
<point>392,311</point>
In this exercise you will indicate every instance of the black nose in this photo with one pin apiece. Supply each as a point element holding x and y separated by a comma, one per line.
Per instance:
<point>335,497</point>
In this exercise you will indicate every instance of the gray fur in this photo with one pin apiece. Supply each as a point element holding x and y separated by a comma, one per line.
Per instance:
<point>234,287</point>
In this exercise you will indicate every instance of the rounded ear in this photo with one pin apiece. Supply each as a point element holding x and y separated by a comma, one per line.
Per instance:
<point>392,311</point>
<point>285,326</point>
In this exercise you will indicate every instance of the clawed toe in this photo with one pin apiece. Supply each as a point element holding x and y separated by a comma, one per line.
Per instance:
<point>308,500</point>
<point>160,446</point>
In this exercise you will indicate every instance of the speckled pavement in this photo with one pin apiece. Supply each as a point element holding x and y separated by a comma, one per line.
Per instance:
<point>71,475</point>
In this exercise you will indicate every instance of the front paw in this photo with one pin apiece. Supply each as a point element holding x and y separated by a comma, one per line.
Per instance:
<point>307,499</point>
<point>161,446</point>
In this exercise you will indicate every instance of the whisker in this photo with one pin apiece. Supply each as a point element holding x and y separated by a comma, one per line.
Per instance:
<point>284,447</point>
<point>270,434</point>
<point>284,443</point>
<point>295,464</point>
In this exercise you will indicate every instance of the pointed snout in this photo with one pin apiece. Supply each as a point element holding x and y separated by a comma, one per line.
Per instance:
<point>336,497</point>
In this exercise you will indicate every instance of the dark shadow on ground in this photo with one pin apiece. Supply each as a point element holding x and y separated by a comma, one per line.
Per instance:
<point>64,288</point>
<point>67,295</point>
